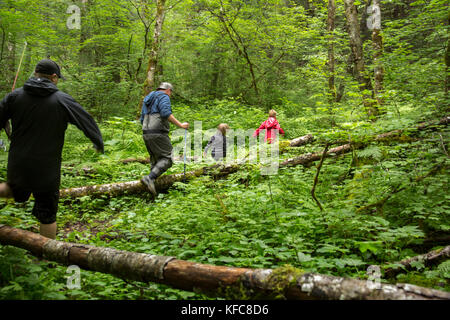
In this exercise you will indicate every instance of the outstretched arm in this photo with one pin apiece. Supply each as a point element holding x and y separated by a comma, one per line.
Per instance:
<point>174,120</point>
<point>83,121</point>
<point>261,127</point>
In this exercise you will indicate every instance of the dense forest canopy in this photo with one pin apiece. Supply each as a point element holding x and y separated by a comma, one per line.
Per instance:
<point>264,53</point>
<point>344,71</point>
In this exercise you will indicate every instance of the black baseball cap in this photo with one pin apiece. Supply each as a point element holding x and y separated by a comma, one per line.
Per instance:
<point>47,66</point>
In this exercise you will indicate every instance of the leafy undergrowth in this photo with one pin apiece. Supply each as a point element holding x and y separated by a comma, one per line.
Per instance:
<point>247,219</point>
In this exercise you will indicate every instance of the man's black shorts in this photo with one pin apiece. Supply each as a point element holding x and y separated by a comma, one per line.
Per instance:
<point>45,203</point>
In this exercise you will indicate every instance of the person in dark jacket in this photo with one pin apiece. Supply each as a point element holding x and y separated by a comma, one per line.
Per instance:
<point>155,117</point>
<point>39,115</point>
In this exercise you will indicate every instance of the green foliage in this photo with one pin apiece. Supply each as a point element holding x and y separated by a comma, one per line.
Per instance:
<point>216,53</point>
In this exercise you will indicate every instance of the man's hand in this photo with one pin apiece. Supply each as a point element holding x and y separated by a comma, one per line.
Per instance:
<point>185,125</point>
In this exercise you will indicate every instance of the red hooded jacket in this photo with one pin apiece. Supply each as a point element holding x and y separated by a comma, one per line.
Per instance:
<point>270,125</point>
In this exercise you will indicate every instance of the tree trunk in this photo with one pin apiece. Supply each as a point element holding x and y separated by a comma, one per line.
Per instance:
<point>331,60</point>
<point>85,56</point>
<point>297,142</point>
<point>447,62</point>
<point>429,259</point>
<point>310,157</point>
<point>149,83</point>
<point>162,183</point>
<point>154,51</point>
<point>358,58</point>
<point>377,44</point>
<point>237,283</point>
<point>2,44</point>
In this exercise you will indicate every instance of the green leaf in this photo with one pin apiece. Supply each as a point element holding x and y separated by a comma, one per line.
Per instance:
<point>303,257</point>
<point>373,246</point>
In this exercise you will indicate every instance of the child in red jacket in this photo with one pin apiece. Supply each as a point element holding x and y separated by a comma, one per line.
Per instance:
<point>270,125</point>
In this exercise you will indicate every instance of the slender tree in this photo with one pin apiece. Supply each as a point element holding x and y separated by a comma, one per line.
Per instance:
<point>356,47</point>
<point>377,43</point>
<point>331,60</point>
<point>155,47</point>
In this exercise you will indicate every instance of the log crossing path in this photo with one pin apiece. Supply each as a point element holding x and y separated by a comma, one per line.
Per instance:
<point>229,282</point>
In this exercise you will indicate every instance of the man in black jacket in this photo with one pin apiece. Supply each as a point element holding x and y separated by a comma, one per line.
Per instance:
<point>39,114</point>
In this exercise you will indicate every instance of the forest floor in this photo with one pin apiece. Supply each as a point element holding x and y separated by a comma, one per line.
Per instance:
<point>249,219</point>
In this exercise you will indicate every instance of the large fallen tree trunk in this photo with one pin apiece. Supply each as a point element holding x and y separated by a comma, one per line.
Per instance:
<point>163,183</point>
<point>310,157</point>
<point>229,282</point>
<point>429,259</point>
<point>301,141</point>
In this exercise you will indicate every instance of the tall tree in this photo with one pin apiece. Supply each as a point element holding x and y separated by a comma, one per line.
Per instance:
<point>155,47</point>
<point>331,60</point>
<point>377,43</point>
<point>356,47</point>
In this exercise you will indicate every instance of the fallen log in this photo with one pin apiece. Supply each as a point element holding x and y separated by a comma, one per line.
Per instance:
<point>429,259</point>
<point>163,183</point>
<point>147,160</point>
<point>140,160</point>
<point>300,141</point>
<point>228,282</point>
<point>310,157</point>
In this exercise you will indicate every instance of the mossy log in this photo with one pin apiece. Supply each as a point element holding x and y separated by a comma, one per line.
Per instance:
<point>163,183</point>
<point>300,141</point>
<point>238,283</point>
<point>310,157</point>
<point>428,259</point>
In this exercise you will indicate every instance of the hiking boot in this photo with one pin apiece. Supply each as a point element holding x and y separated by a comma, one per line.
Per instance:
<point>150,183</point>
